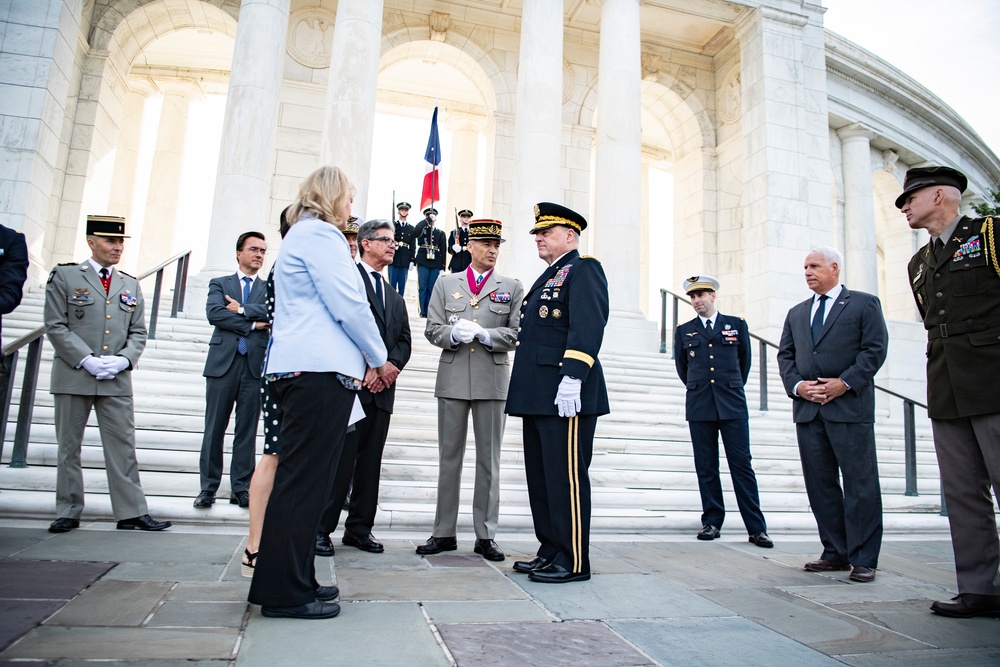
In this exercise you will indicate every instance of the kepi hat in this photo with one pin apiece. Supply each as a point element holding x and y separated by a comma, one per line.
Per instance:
<point>548,215</point>
<point>922,177</point>
<point>701,284</point>
<point>353,225</point>
<point>485,229</point>
<point>111,226</point>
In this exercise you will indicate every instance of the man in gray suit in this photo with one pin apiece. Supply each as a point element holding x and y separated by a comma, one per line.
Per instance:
<point>831,347</point>
<point>94,320</point>
<point>237,307</point>
<point>473,316</point>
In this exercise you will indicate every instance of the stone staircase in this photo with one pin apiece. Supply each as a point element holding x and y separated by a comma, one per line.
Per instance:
<point>643,472</point>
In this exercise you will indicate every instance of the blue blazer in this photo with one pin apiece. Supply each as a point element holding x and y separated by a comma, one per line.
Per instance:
<point>230,326</point>
<point>714,368</point>
<point>852,346</point>
<point>322,320</point>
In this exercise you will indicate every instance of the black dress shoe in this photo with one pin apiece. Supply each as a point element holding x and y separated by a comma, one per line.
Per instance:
<point>436,545</point>
<point>761,540</point>
<point>327,593</point>
<point>315,609</point>
<point>826,566</point>
<point>205,499</point>
<point>862,574</point>
<point>529,566</point>
<point>367,543</point>
<point>489,550</point>
<point>241,498</point>
<point>63,525</point>
<point>144,522</point>
<point>709,533</point>
<point>557,574</point>
<point>324,547</point>
<point>968,605</point>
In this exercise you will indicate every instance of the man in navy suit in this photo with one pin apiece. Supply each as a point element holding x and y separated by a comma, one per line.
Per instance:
<point>361,458</point>
<point>712,355</point>
<point>13,270</point>
<point>236,306</point>
<point>831,347</point>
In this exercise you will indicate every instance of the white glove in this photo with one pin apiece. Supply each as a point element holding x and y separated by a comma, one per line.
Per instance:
<point>92,365</point>
<point>463,332</point>
<point>456,248</point>
<point>568,396</point>
<point>112,365</point>
<point>482,334</point>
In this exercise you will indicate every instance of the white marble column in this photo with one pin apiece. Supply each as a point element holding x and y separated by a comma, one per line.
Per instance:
<point>160,219</point>
<point>537,131</point>
<point>786,174</point>
<point>616,224</point>
<point>463,165</point>
<point>243,186</point>
<point>127,152</point>
<point>860,250</point>
<point>350,96</point>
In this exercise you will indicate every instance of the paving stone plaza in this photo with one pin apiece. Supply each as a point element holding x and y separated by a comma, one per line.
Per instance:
<point>177,597</point>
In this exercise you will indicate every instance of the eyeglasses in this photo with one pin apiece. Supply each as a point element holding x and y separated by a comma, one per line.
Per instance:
<point>255,250</point>
<point>389,241</point>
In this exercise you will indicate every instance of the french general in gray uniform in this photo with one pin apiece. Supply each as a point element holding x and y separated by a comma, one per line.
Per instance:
<point>94,320</point>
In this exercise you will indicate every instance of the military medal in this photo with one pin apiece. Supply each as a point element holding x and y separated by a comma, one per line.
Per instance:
<point>543,312</point>
<point>556,313</point>
<point>474,301</point>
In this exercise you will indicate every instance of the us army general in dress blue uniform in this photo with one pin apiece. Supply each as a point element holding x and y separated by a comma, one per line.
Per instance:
<point>557,387</point>
<point>98,332</point>
<point>714,366</point>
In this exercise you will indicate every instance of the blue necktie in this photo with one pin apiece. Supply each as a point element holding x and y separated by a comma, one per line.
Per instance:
<point>817,323</point>
<point>479,280</point>
<point>242,346</point>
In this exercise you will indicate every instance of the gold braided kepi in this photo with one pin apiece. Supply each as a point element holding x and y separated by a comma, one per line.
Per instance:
<point>485,229</point>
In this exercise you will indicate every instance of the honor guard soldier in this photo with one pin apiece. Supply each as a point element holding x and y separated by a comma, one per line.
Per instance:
<point>458,242</point>
<point>557,388</point>
<point>400,267</point>
<point>956,283</point>
<point>94,320</point>
<point>13,272</point>
<point>712,355</point>
<point>430,255</point>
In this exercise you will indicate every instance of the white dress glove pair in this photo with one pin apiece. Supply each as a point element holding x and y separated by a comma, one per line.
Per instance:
<point>465,331</point>
<point>568,396</point>
<point>105,367</point>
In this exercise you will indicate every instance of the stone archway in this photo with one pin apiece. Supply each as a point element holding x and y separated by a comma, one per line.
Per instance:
<point>121,31</point>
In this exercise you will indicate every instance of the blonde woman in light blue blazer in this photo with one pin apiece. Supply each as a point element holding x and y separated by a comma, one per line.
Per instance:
<point>324,341</point>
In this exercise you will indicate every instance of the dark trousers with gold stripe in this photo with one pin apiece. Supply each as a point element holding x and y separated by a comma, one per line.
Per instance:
<point>557,454</point>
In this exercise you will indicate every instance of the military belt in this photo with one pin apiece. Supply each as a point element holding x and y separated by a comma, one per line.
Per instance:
<point>957,328</point>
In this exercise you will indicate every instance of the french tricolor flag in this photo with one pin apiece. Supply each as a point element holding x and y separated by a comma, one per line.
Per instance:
<point>431,192</point>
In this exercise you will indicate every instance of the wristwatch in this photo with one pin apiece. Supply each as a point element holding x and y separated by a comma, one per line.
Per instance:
<point>240,311</point>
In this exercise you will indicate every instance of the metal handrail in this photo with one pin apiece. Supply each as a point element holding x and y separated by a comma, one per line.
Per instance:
<point>183,259</point>
<point>909,420</point>
<point>33,341</point>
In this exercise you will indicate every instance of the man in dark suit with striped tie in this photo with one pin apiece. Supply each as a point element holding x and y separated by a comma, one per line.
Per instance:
<point>712,355</point>
<point>831,347</point>
<point>236,306</point>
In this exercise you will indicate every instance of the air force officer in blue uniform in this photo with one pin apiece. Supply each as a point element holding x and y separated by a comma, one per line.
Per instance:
<point>712,354</point>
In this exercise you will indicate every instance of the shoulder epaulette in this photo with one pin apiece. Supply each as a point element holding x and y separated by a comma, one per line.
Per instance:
<point>128,274</point>
<point>66,264</point>
<point>590,257</point>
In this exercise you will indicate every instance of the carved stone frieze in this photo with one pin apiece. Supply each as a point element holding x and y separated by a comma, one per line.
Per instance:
<point>651,64</point>
<point>439,23</point>
<point>730,100</point>
<point>310,36</point>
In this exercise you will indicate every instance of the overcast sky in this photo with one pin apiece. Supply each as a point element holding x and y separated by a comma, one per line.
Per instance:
<point>949,47</point>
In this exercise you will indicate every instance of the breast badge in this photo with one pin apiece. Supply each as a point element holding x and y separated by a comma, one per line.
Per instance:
<point>543,312</point>
<point>556,313</point>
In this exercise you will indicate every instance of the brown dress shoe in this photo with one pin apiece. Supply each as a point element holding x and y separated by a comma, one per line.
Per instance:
<point>968,605</point>
<point>826,566</point>
<point>865,575</point>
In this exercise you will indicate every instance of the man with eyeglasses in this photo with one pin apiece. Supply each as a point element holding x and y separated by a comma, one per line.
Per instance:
<point>361,458</point>
<point>237,307</point>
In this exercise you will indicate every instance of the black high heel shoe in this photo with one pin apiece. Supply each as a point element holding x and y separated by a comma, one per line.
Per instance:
<point>246,569</point>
